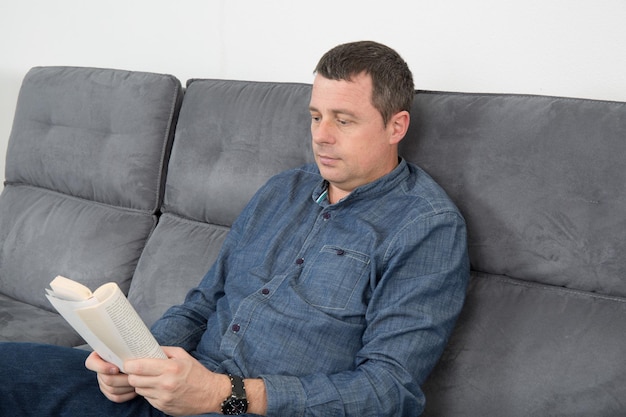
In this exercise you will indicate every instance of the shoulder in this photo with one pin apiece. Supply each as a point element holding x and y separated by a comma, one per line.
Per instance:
<point>293,182</point>
<point>427,196</point>
<point>304,177</point>
<point>307,172</point>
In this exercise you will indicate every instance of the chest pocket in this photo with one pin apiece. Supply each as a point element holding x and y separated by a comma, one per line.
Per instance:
<point>334,278</point>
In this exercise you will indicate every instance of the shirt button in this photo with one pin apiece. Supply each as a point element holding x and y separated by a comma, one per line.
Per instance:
<point>235,328</point>
<point>265,291</point>
<point>326,216</point>
<point>340,252</point>
<point>299,261</point>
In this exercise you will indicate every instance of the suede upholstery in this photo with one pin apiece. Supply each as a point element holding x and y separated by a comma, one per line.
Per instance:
<point>84,182</point>
<point>540,181</point>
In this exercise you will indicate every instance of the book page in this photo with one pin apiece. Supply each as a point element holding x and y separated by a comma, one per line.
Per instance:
<point>67,311</point>
<point>118,326</point>
<point>70,290</point>
<point>106,320</point>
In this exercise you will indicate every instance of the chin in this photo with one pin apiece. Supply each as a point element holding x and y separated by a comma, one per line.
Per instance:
<point>325,171</point>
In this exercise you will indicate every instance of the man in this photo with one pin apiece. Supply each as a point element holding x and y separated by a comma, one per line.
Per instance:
<point>340,308</point>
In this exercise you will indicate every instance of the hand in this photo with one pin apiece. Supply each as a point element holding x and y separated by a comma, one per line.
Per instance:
<point>113,384</point>
<point>179,385</point>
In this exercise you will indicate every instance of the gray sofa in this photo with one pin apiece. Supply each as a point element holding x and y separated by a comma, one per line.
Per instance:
<point>110,177</point>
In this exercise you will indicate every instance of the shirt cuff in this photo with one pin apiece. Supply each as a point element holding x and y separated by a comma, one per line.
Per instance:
<point>285,395</point>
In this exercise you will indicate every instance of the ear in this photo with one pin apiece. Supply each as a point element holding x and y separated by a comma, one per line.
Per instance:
<point>399,124</point>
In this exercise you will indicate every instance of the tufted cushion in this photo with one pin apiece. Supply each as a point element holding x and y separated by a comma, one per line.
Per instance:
<point>84,179</point>
<point>231,138</point>
<point>541,181</point>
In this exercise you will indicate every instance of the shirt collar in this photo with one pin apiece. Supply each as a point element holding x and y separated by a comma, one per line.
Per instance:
<point>381,185</point>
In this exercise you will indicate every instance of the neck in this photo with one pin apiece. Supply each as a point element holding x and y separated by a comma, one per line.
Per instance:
<point>335,194</point>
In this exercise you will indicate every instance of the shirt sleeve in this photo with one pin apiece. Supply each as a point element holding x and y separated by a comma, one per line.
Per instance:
<point>409,318</point>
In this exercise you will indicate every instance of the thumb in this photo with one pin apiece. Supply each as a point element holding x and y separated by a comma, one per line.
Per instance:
<point>174,352</point>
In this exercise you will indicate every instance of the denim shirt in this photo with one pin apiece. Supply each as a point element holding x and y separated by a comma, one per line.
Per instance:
<point>343,309</point>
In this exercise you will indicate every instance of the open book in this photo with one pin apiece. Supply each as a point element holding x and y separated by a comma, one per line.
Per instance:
<point>105,319</point>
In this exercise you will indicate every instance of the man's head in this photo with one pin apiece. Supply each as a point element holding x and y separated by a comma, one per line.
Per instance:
<point>392,80</point>
<point>359,108</point>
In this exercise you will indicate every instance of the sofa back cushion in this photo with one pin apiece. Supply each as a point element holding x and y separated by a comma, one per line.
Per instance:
<point>541,181</point>
<point>84,176</point>
<point>231,137</point>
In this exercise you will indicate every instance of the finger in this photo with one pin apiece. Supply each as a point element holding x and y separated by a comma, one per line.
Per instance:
<point>121,397</point>
<point>154,367</point>
<point>114,381</point>
<point>95,363</point>
<point>117,394</point>
<point>145,366</point>
<point>116,387</point>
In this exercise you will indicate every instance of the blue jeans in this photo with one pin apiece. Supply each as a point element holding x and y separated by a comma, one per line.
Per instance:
<point>43,380</point>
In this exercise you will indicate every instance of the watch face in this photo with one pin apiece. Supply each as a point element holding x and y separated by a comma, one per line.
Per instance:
<point>235,406</point>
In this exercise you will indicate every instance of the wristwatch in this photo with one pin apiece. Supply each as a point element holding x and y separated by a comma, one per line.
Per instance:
<point>237,403</point>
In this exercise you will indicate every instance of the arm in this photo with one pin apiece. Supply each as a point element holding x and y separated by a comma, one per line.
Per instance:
<point>179,385</point>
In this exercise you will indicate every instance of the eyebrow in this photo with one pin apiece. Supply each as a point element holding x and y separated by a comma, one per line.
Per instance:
<point>335,111</point>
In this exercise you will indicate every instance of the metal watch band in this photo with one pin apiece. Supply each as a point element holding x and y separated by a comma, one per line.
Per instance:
<point>237,403</point>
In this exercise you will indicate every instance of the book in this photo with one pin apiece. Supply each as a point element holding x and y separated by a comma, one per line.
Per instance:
<point>105,319</point>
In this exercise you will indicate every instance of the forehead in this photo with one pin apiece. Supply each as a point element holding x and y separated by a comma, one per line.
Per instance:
<point>337,94</point>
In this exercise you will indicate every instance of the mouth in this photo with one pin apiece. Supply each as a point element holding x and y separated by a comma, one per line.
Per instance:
<point>326,160</point>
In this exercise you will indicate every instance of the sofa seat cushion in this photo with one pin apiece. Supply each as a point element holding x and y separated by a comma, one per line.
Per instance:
<point>525,349</point>
<point>44,234</point>
<point>20,321</point>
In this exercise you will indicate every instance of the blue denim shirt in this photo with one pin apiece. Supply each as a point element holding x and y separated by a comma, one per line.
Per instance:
<point>343,309</point>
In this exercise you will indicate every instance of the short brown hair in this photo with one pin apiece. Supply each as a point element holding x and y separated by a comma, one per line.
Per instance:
<point>392,81</point>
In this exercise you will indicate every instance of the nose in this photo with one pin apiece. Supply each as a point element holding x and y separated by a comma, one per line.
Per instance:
<point>321,132</point>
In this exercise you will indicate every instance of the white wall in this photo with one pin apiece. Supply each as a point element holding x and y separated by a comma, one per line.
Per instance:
<point>555,47</point>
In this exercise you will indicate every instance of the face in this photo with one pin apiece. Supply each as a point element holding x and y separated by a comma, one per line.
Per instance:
<point>351,145</point>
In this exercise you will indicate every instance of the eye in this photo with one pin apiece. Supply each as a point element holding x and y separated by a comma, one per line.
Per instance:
<point>343,122</point>
<point>315,118</point>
